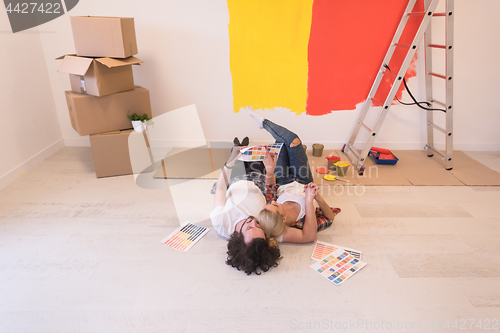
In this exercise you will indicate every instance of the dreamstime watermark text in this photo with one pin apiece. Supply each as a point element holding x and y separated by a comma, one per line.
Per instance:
<point>384,326</point>
<point>356,324</point>
<point>25,14</point>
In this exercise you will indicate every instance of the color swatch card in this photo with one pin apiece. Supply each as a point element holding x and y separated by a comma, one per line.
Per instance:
<point>185,236</point>
<point>322,249</point>
<point>257,153</point>
<point>338,266</point>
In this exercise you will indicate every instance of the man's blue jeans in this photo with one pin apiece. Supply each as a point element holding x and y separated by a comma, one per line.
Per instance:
<point>292,162</point>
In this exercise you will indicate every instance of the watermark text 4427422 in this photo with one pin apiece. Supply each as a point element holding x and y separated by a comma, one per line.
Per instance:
<point>26,14</point>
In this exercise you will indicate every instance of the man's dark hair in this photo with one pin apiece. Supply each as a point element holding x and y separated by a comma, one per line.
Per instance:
<point>257,254</point>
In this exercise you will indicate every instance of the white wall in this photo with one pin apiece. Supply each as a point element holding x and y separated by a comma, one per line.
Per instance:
<point>185,46</point>
<point>30,131</point>
<point>477,75</point>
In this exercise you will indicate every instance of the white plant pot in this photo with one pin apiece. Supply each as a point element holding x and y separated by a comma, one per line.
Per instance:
<point>139,126</point>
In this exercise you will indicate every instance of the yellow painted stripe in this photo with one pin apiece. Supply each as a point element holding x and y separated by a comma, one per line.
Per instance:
<point>268,53</point>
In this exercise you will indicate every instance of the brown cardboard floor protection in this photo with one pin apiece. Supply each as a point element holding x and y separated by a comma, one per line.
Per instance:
<point>413,168</point>
<point>471,172</point>
<point>190,163</point>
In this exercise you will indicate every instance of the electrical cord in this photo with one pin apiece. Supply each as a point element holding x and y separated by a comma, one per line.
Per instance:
<point>413,98</point>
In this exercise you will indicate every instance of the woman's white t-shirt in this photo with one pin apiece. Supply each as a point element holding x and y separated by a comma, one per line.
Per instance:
<point>293,192</point>
<point>243,198</point>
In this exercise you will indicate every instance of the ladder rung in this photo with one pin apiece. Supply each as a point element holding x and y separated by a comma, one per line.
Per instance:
<point>377,102</point>
<point>416,13</point>
<point>353,151</point>
<point>402,45</point>
<point>389,74</point>
<point>350,149</point>
<point>437,46</point>
<point>436,150</point>
<point>438,75</point>
<point>438,102</point>
<point>365,127</point>
<point>439,14</point>
<point>437,127</point>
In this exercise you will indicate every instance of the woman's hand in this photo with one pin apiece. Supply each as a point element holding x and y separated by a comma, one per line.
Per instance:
<point>270,161</point>
<point>314,188</point>
<point>310,191</point>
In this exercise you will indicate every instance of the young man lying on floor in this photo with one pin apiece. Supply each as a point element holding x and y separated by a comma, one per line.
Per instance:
<point>291,218</point>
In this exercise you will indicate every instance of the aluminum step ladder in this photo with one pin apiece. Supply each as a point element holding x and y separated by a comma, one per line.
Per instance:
<point>357,157</point>
<point>448,77</point>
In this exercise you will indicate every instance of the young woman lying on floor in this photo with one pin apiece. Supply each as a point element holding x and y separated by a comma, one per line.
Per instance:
<point>238,198</point>
<point>289,215</point>
<point>251,244</point>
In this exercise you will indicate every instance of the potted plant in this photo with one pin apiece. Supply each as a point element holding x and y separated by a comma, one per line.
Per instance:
<point>139,122</point>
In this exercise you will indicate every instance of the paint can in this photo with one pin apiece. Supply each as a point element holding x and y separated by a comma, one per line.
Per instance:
<point>342,168</point>
<point>331,162</point>
<point>318,149</point>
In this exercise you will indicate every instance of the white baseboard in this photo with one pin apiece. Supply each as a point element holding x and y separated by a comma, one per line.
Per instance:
<point>83,141</point>
<point>464,146</point>
<point>476,146</point>
<point>337,145</point>
<point>176,143</point>
<point>15,173</point>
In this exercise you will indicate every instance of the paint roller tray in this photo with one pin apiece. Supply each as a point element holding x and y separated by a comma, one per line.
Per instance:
<point>383,156</point>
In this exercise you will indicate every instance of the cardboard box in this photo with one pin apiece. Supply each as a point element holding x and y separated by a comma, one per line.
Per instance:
<point>111,154</point>
<point>92,115</point>
<point>99,77</point>
<point>97,36</point>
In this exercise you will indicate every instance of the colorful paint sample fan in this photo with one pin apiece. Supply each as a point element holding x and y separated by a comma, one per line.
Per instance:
<point>257,153</point>
<point>184,237</point>
<point>338,266</point>
<point>322,249</point>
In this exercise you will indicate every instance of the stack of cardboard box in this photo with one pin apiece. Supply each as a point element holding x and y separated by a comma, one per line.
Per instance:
<point>102,88</point>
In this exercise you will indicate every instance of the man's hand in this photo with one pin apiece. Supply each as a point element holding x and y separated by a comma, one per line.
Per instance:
<point>269,161</point>
<point>235,154</point>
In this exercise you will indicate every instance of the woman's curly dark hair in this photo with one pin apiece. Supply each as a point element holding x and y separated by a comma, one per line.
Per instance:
<point>252,256</point>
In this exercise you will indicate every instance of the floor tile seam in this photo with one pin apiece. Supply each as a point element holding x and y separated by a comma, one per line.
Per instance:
<point>96,268</point>
<point>5,319</point>
<point>472,249</point>
<point>454,282</point>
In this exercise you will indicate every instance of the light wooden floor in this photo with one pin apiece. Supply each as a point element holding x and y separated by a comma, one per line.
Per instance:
<point>80,254</point>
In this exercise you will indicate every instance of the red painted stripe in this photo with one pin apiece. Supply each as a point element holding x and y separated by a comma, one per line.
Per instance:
<point>347,45</point>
